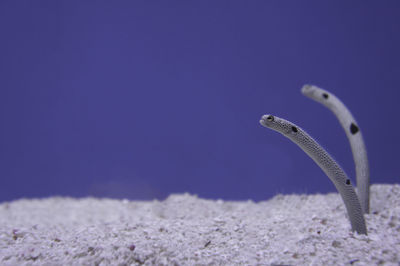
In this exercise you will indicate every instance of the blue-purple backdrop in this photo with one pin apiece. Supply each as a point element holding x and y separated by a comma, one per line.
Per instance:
<point>140,99</point>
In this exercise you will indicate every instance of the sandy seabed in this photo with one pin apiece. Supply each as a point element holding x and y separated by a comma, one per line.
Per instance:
<point>187,230</point>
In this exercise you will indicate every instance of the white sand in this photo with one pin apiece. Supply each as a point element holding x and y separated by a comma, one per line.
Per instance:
<point>186,230</point>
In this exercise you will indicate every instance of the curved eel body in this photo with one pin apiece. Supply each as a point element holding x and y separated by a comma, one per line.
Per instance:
<point>354,135</point>
<point>330,167</point>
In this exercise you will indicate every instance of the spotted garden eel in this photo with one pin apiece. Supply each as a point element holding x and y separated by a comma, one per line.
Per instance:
<point>354,135</point>
<point>330,167</point>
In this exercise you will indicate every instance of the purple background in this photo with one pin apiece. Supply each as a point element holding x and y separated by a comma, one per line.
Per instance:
<point>140,99</point>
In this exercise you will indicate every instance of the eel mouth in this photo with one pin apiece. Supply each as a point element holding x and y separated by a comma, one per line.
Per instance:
<point>308,90</point>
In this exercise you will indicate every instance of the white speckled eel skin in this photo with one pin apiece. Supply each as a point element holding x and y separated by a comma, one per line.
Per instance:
<point>354,135</point>
<point>330,167</point>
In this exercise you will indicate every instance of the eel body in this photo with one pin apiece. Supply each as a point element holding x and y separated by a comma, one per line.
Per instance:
<point>330,167</point>
<point>353,134</point>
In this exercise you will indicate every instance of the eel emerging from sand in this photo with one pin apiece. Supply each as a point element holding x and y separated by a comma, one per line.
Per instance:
<point>330,167</point>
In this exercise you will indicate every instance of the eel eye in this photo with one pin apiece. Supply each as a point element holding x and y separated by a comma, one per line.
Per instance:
<point>325,95</point>
<point>270,118</point>
<point>294,129</point>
